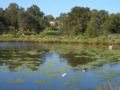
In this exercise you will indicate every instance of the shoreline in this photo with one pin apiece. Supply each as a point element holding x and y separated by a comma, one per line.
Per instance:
<point>60,39</point>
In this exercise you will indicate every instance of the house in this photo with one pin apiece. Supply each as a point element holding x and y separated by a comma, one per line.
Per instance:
<point>53,23</point>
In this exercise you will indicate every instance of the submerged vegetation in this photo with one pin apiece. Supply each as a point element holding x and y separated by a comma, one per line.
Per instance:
<point>77,56</point>
<point>18,81</point>
<point>40,82</point>
<point>44,64</point>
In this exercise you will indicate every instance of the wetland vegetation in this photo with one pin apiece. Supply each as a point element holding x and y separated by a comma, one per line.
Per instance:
<point>68,52</point>
<point>80,25</point>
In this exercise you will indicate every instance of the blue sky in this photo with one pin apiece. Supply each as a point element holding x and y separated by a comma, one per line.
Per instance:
<point>55,7</point>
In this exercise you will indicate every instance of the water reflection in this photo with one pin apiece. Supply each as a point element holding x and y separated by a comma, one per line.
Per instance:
<point>18,58</point>
<point>74,59</point>
<point>43,65</point>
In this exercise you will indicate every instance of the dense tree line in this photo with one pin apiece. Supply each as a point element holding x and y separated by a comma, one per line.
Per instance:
<point>17,19</point>
<point>79,21</point>
<point>88,22</point>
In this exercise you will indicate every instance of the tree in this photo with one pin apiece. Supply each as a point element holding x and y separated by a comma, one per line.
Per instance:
<point>99,17</point>
<point>92,28</point>
<point>35,19</point>
<point>22,20</point>
<point>105,27</point>
<point>3,23</point>
<point>11,15</point>
<point>60,20</point>
<point>111,25</point>
<point>34,11</point>
<point>76,21</point>
<point>49,18</point>
<point>115,23</point>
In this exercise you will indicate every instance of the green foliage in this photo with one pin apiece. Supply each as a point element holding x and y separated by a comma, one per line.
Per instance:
<point>92,28</point>
<point>76,21</point>
<point>49,17</point>
<point>49,31</point>
<point>22,20</point>
<point>91,23</point>
<point>79,21</point>
<point>35,16</point>
<point>16,18</point>
<point>3,22</point>
<point>11,14</point>
<point>105,27</point>
<point>115,25</point>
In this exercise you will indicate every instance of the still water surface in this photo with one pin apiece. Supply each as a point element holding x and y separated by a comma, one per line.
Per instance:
<point>27,66</point>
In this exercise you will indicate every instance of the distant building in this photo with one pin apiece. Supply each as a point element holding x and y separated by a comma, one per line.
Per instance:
<point>53,23</point>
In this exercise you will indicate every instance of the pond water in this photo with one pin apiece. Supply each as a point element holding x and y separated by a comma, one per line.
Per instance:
<point>27,66</point>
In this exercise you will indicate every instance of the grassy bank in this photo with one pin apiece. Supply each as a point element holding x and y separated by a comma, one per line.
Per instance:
<point>61,39</point>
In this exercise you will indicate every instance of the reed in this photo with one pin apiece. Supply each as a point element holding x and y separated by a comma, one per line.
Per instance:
<point>60,39</point>
<point>108,86</point>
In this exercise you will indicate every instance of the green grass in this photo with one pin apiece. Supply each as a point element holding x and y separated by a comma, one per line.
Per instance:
<point>52,38</point>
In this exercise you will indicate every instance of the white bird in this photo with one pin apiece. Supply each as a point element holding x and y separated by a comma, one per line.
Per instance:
<point>64,74</point>
<point>83,71</point>
<point>110,47</point>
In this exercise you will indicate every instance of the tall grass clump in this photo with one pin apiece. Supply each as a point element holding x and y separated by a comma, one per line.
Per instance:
<point>49,36</point>
<point>108,86</point>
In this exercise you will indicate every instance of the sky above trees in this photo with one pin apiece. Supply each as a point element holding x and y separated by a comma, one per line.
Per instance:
<point>55,7</point>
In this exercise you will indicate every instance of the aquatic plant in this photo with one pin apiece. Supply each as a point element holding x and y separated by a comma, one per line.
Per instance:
<point>51,64</point>
<point>64,69</point>
<point>40,81</point>
<point>18,80</point>
<point>52,75</point>
<point>108,86</point>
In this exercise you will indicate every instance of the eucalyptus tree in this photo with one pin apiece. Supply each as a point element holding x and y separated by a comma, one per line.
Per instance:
<point>2,19</point>
<point>115,25</point>
<point>76,21</point>
<point>94,26</point>
<point>11,14</point>
<point>35,18</point>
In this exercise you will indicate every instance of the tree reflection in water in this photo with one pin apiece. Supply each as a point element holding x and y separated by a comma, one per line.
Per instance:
<point>18,58</point>
<point>77,59</point>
